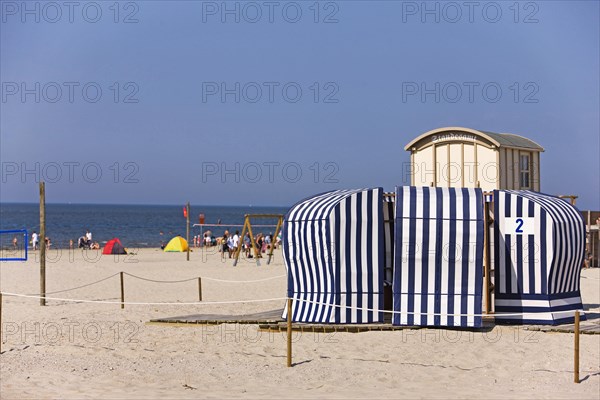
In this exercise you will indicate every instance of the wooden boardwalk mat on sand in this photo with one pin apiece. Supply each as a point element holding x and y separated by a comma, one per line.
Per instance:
<point>265,317</point>
<point>272,320</point>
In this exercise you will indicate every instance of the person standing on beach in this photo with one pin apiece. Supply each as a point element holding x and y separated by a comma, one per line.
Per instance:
<point>224,246</point>
<point>88,237</point>
<point>15,242</point>
<point>35,240</point>
<point>236,241</point>
<point>230,245</point>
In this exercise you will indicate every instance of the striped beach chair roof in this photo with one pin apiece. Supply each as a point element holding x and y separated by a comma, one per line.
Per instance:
<point>538,249</point>
<point>333,252</point>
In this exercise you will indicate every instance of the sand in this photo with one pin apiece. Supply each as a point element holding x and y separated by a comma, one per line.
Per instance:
<point>92,350</point>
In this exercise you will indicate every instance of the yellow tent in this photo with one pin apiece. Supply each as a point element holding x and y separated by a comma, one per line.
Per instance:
<point>178,244</point>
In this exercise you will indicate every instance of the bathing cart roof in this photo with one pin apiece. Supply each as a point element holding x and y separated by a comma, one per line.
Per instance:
<point>499,139</point>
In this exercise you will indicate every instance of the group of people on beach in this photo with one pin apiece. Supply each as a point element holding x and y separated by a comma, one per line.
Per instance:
<point>85,242</point>
<point>35,241</point>
<point>229,243</point>
<point>206,240</point>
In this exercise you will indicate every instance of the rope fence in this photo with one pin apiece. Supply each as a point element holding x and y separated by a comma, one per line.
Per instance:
<point>289,300</point>
<point>289,314</point>
<point>122,287</point>
<point>159,281</point>
<point>83,286</point>
<point>133,303</point>
<point>121,274</point>
<point>286,298</point>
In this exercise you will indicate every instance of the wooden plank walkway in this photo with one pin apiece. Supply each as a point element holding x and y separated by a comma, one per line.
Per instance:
<point>591,325</point>
<point>272,321</point>
<point>570,328</point>
<point>267,317</point>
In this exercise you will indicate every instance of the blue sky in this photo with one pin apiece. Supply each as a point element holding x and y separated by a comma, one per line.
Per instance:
<point>232,107</point>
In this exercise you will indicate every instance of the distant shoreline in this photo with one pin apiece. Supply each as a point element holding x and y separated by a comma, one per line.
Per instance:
<point>53,247</point>
<point>145,205</point>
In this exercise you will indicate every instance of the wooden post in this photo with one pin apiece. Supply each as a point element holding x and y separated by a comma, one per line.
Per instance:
<point>576,349</point>
<point>187,229</point>
<point>289,332</point>
<point>236,256</point>
<point>254,248</point>
<point>43,244</point>
<point>0,322</point>
<point>595,245</point>
<point>122,291</point>
<point>486,254</point>
<point>199,289</point>
<point>279,222</point>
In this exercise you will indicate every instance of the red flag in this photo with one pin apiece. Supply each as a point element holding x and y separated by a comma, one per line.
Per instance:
<point>184,212</point>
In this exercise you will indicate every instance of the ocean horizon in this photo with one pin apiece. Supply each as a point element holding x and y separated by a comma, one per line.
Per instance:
<point>136,225</point>
<point>142,204</point>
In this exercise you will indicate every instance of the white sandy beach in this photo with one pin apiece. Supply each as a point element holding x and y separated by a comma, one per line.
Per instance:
<point>92,350</point>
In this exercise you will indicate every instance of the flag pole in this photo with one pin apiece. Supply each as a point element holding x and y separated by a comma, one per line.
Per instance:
<point>43,244</point>
<point>187,230</point>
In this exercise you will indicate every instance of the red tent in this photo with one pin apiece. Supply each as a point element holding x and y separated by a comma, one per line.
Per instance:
<point>114,246</point>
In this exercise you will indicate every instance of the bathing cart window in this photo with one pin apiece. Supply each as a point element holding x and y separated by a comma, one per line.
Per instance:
<point>524,165</point>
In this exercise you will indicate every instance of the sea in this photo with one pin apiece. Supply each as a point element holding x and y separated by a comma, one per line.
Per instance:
<point>137,226</point>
